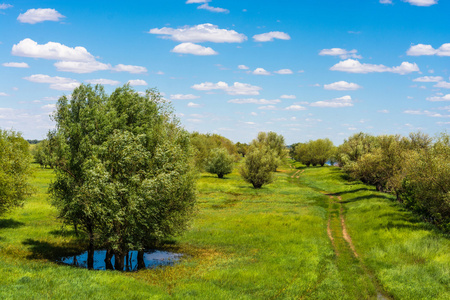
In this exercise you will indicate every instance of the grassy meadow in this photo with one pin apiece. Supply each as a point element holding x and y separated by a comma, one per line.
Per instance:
<point>309,235</point>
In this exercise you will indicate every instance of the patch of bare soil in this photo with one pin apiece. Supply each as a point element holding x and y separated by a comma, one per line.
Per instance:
<point>346,235</point>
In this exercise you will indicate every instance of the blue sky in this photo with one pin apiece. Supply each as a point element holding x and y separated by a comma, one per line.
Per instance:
<point>304,69</point>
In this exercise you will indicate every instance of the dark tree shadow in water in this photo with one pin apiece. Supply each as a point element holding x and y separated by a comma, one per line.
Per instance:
<point>10,223</point>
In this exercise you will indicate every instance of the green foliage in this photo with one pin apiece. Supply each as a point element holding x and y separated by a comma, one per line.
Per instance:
<point>15,159</point>
<point>122,167</point>
<point>316,152</point>
<point>258,166</point>
<point>426,188</point>
<point>219,162</point>
<point>42,153</point>
<point>356,146</point>
<point>275,145</point>
<point>204,143</point>
<point>242,148</point>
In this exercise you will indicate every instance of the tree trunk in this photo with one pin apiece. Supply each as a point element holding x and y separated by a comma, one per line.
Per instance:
<point>108,256</point>
<point>140,260</point>
<point>220,175</point>
<point>119,260</point>
<point>90,260</point>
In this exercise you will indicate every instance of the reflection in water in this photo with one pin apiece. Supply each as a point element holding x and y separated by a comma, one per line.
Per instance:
<point>134,260</point>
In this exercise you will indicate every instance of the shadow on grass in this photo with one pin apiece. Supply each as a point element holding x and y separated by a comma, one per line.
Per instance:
<point>10,223</point>
<point>50,251</point>
<point>368,197</point>
<point>65,233</point>
<point>353,191</point>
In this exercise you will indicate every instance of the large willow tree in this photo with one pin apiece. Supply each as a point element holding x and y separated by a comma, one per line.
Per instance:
<point>123,169</point>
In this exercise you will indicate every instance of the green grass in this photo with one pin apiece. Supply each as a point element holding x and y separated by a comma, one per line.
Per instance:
<point>244,243</point>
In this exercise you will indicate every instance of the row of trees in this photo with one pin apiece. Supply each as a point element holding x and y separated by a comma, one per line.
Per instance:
<point>416,169</point>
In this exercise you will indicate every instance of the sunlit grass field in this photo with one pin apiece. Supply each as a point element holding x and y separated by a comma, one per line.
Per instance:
<point>272,243</point>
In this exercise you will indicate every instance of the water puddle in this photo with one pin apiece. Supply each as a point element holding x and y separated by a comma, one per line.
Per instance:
<point>133,262</point>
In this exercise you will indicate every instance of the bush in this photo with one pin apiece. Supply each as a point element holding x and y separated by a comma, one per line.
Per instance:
<point>219,162</point>
<point>15,160</point>
<point>258,166</point>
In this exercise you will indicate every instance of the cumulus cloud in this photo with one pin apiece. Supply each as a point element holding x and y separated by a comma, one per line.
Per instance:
<point>191,48</point>
<point>200,33</point>
<point>254,101</point>
<point>130,69</point>
<point>422,2</point>
<point>243,67</point>
<point>56,83</point>
<point>295,107</point>
<point>81,67</point>
<point>236,89</point>
<point>284,72</point>
<point>270,36</point>
<point>421,49</point>
<point>386,1</point>
<point>288,97</point>
<point>194,105</point>
<point>33,16</point>
<point>345,101</point>
<point>16,65</point>
<point>342,53</point>
<point>136,82</point>
<point>103,81</point>
<point>439,98</point>
<point>197,1</point>
<point>342,86</point>
<point>183,97</point>
<point>260,71</point>
<point>442,84</point>
<point>213,9</point>
<point>354,66</point>
<point>268,107</point>
<point>429,79</point>
<point>3,94</point>
<point>51,50</point>
<point>383,111</point>
<point>5,6</point>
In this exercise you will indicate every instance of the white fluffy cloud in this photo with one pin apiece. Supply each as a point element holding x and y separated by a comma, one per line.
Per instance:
<point>194,105</point>
<point>130,69</point>
<point>345,101</point>
<point>200,33</point>
<point>426,113</point>
<point>103,81</point>
<point>243,67</point>
<point>33,16</point>
<point>3,94</point>
<point>81,67</point>
<point>213,9</point>
<point>236,89</point>
<point>260,71</point>
<point>342,53</point>
<point>421,49</point>
<point>439,98</point>
<point>183,97</point>
<point>442,84</point>
<point>288,97</point>
<point>268,107</point>
<point>56,83</point>
<point>386,1</point>
<point>270,36</point>
<point>5,6</point>
<point>16,65</point>
<point>422,2</point>
<point>197,1</point>
<point>354,66</point>
<point>51,50</point>
<point>342,86</point>
<point>254,101</point>
<point>284,72</point>
<point>136,82</point>
<point>429,79</point>
<point>295,107</point>
<point>191,48</point>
